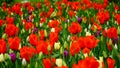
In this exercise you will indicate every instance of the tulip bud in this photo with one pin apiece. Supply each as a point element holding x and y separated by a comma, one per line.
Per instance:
<point>52,29</point>
<point>32,20</point>
<point>4,36</point>
<point>24,62</point>
<point>118,30</point>
<point>79,19</point>
<point>53,14</point>
<point>45,33</point>
<point>6,56</point>
<point>57,45</point>
<point>104,54</point>
<point>17,24</point>
<point>65,25</point>
<point>13,57</point>
<point>49,47</point>
<point>101,38</point>
<point>100,62</point>
<point>65,44</point>
<point>29,31</point>
<point>61,50</point>
<point>2,59</point>
<point>116,46</point>
<point>65,53</point>
<point>22,31</point>
<point>37,24</point>
<point>68,38</point>
<point>85,30</point>
<point>10,51</point>
<point>36,65</point>
<point>86,55</point>
<point>35,30</point>
<point>88,34</point>
<point>40,55</point>
<point>19,46</point>
<point>89,26</point>
<point>27,39</point>
<point>59,62</point>
<point>110,41</point>
<point>41,24</point>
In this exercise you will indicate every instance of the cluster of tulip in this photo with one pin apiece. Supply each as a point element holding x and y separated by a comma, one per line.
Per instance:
<point>60,34</point>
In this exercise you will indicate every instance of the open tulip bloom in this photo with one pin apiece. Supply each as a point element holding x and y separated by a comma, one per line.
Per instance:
<point>60,34</point>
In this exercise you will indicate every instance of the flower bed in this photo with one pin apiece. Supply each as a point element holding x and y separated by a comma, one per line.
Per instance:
<point>60,34</point>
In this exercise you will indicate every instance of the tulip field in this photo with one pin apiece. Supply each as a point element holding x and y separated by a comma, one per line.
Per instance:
<point>60,34</point>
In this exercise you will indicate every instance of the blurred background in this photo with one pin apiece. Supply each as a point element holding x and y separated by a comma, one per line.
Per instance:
<point>12,1</point>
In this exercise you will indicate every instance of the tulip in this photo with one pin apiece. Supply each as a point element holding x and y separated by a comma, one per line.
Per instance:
<point>57,46</point>
<point>29,12</point>
<point>13,56</point>
<point>97,33</point>
<point>2,59</point>
<point>7,56</point>
<point>59,62</point>
<point>115,40</point>
<point>40,55</point>
<point>88,34</point>
<point>52,29</point>
<point>79,19</point>
<point>35,30</point>
<point>24,62</point>
<point>65,53</point>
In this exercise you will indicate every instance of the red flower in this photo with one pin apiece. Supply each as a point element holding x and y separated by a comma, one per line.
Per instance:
<point>116,7</point>
<point>103,16</point>
<point>117,17</point>
<point>47,63</point>
<point>74,28</point>
<point>42,14</point>
<point>97,6</point>
<point>71,13</point>
<point>38,5</point>
<point>16,8</point>
<point>42,20</point>
<point>90,42</point>
<point>109,46</point>
<point>75,5</point>
<point>1,22</point>
<point>74,48</point>
<point>86,50</point>
<point>30,8</point>
<point>105,3</point>
<point>89,62</point>
<point>11,30</point>
<point>96,26</point>
<point>10,20</point>
<point>112,32</point>
<point>3,47</point>
<point>42,35</point>
<point>27,53</point>
<point>53,38</point>
<point>110,62</point>
<point>53,23</point>
<point>58,29</point>
<point>14,43</point>
<point>64,1</point>
<point>28,25</point>
<point>50,12</point>
<point>42,46</point>
<point>33,38</point>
